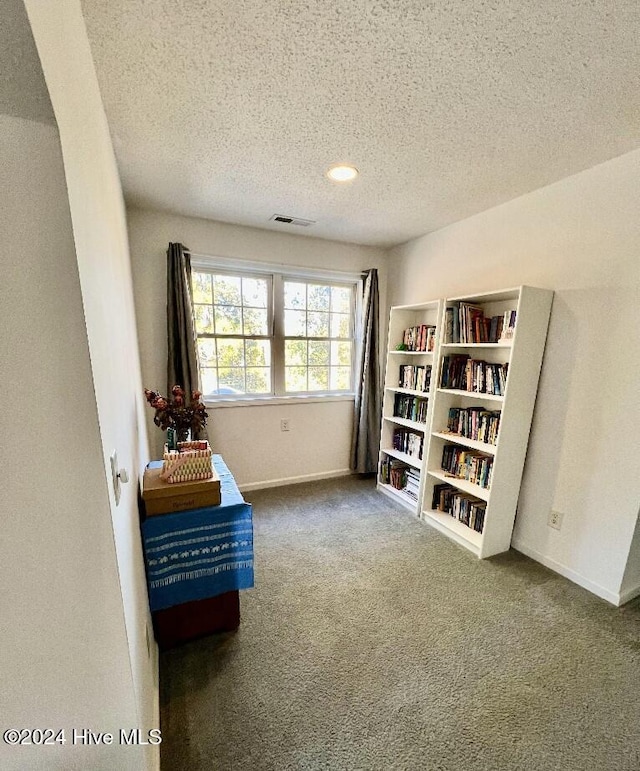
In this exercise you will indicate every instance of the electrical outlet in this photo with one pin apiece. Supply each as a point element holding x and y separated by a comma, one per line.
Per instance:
<point>555,519</point>
<point>284,424</point>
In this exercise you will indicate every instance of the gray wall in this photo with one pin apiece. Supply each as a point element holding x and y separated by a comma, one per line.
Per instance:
<point>62,635</point>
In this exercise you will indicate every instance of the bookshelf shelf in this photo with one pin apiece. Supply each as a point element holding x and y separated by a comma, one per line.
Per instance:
<point>414,425</point>
<point>411,353</point>
<point>472,444</point>
<point>407,373</point>
<point>466,487</point>
<point>522,315</point>
<point>408,392</point>
<point>460,533</point>
<point>410,460</point>
<point>401,495</point>
<point>476,345</point>
<point>472,394</point>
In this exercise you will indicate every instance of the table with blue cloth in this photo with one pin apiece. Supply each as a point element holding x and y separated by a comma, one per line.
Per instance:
<point>199,554</point>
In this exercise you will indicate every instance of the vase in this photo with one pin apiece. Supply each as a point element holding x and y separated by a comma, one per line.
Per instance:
<point>184,434</point>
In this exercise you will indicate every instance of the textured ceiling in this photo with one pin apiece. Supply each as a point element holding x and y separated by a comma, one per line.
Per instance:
<point>233,109</point>
<point>23,92</point>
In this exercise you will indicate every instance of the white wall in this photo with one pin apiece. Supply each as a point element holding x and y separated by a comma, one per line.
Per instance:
<point>62,631</point>
<point>631,580</point>
<point>99,228</point>
<point>580,237</point>
<point>249,437</point>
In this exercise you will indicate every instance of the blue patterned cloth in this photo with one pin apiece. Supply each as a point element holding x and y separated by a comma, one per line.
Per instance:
<point>196,554</point>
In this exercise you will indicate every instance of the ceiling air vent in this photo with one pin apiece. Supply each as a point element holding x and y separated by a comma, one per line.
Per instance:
<point>292,220</point>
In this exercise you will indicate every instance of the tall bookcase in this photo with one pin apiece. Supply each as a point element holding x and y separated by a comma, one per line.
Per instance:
<point>491,496</point>
<point>407,392</point>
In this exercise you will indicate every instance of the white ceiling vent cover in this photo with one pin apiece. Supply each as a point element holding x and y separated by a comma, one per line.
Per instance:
<point>291,220</point>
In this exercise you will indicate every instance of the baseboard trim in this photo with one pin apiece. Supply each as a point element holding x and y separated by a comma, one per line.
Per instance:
<point>629,594</point>
<point>612,597</point>
<point>343,472</point>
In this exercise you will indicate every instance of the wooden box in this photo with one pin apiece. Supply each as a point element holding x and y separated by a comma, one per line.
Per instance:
<point>192,620</point>
<point>163,498</point>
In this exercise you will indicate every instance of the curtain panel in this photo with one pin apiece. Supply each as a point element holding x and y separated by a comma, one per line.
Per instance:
<point>366,424</point>
<point>182,361</point>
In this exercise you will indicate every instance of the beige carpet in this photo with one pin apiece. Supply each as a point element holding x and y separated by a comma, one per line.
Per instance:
<point>372,642</point>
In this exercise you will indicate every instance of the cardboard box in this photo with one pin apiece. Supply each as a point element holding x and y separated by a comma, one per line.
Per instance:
<point>163,498</point>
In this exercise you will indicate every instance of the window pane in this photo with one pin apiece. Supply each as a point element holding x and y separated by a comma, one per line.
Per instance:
<point>207,353</point>
<point>295,295</point>
<point>255,292</point>
<point>295,352</point>
<point>257,353</point>
<point>318,297</point>
<point>340,378</point>
<point>258,380</point>
<point>341,354</point>
<point>318,378</point>
<point>230,353</point>
<point>201,286</point>
<point>226,290</point>
<point>295,378</point>
<point>318,352</point>
<point>340,325</point>
<point>341,299</point>
<point>255,321</point>
<point>231,380</point>
<point>209,380</point>
<point>228,320</point>
<point>204,318</point>
<point>295,323</point>
<point>317,324</point>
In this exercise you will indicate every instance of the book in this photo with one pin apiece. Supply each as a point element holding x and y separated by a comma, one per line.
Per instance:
<point>475,423</point>
<point>448,325</point>
<point>420,339</point>
<point>461,372</point>
<point>469,465</point>
<point>464,507</point>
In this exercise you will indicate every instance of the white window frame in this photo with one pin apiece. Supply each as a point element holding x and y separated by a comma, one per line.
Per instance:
<point>279,273</point>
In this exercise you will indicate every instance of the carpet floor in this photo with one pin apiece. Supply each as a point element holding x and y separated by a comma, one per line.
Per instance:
<point>373,642</point>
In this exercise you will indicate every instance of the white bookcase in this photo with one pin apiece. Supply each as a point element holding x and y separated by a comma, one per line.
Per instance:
<point>523,354</point>
<point>401,318</point>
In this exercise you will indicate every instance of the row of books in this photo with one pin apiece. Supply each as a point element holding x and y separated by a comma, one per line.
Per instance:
<point>393,472</point>
<point>482,377</point>
<point>465,508</point>
<point>415,378</point>
<point>467,464</point>
<point>468,324</point>
<point>408,442</point>
<point>410,408</point>
<point>412,483</point>
<point>400,476</point>
<point>474,423</point>
<point>420,338</point>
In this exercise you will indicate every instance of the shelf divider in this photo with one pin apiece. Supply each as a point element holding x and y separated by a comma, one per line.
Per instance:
<point>462,484</point>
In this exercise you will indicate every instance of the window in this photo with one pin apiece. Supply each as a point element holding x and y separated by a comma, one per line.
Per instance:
<point>318,336</point>
<point>233,322</point>
<point>264,334</point>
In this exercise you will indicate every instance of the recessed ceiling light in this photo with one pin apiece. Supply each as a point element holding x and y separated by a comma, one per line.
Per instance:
<point>342,173</point>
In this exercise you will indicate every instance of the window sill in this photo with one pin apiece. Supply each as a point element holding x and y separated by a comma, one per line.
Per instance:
<point>267,401</point>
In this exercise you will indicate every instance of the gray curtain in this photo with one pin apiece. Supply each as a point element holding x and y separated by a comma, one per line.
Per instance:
<point>366,425</point>
<point>182,362</point>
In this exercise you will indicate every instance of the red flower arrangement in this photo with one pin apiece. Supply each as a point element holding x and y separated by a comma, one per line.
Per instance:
<point>176,413</point>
